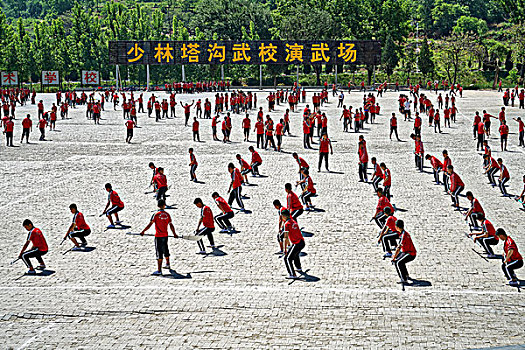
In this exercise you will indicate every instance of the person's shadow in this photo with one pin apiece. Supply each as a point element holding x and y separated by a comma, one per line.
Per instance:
<point>305,277</point>
<point>177,276</point>
<point>412,282</point>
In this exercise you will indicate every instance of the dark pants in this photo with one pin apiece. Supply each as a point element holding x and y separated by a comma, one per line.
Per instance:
<point>235,194</point>
<point>292,258</point>
<point>33,253</point>
<point>42,134</point>
<point>363,176</point>
<point>255,168</point>
<point>510,267</point>
<point>80,234</point>
<point>161,193</point>
<point>400,262</point>
<point>193,168</point>
<point>479,145</point>
<point>306,141</point>
<point>296,213</point>
<point>502,185</point>
<point>223,220</point>
<point>486,243</point>
<point>9,138</point>
<point>205,231</point>
<point>455,194</point>
<point>393,129</point>
<point>323,155</point>
<point>269,140</point>
<point>260,140</point>
<point>389,240</point>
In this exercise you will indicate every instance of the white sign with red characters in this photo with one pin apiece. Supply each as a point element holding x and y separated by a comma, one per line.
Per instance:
<point>50,77</point>
<point>9,78</point>
<point>90,77</point>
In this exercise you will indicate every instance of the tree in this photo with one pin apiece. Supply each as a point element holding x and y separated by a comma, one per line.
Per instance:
<point>466,24</point>
<point>426,62</point>
<point>390,56</point>
<point>445,15</point>
<point>454,52</point>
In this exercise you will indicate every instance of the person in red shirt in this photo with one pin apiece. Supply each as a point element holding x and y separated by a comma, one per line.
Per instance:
<point>325,145</point>
<point>475,212</point>
<point>377,175</point>
<point>130,125</point>
<point>223,220</point>
<point>491,168</point>
<point>187,111</point>
<point>256,161</point>
<point>437,166</point>
<point>245,167</point>
<point>38,248</point>
<point>504,177</point>
<point>504,133</point>
<point>42,123</point>
<point>293,244</point>
<point>308,189</point>
<point>161,219</point>
<point>306,132</point>
<point>487,237</point>
<point>40,109</point>
<point>116,205</point>
<point>206,219</point>
<point>388,235</point>
<point>405,252</point>
<point>246,124</point>
<point>512,260</point>
<point>417,124</point>
<point>193,165</point>
<point>259,129</point>
<point>235,187</point>
<point>9,126</point>
<point>520,131</point>
<point>27,127</point>
<point>456,186</point>
<point>363,160</point>
<point>382,203</point>
<point>293,204</point>
<point>393,126</point>
<point>387,180</point>
<point>78,229</point>
<point>279,131</point>
<point>161,183</point>
<point>195,129</point>
<point>269,134</point>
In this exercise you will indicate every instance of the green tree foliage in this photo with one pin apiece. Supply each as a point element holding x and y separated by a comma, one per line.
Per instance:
<point>390,56</point>
<point>426,61</point>
<point>467,24</point>
<point>445,15</point>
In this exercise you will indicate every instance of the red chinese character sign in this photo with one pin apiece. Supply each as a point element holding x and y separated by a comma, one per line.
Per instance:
<point>90,77</point>
<point>50,77</point>
<point>9,78</point>
<point>245,52</point>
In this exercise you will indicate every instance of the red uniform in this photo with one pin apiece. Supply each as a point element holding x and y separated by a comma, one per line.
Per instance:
<point>294,233</point>
<point>510,244</point>
<point>207,217</point>
<point>407,246</point>
<point>162,220</point>
<point>37,239</point>
<point>79,221</point>
<point>292,202</point>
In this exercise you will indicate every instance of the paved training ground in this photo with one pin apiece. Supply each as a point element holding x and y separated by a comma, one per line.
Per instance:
<point>106,298</point>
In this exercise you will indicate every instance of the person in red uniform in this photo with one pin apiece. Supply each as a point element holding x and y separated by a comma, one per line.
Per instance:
<point>393,126</point>
<point>161,183</point>
<point>306,133</point>
<point>279,131</point>
<point>388,235</point>
<point>363,160</point>
<point>293,244</point>
<point>504,177</point>
<point>42,123</point>
<point>456,186</point>
<point>487,237</point>
<point>475,212</point>
<point>116,205</point>
<point>308,189</point>
<point>235,186</point>
<point>38,248</point>
<point>245,167</point>
<point>78,228</point>
<point>223,219</point>
<point>27,127</point>
<point>246,124</point>
<point>512,260</point>
<point>446,162</point>
<point>377,175</point>
<point>293,204</point>
<point>405,252</point>
<point>193,165</point>
<point>259,130</point>
<point>491,168</point>
<point>130,125</point>
<point>387,180</point>
<point>195,129</point>
<point>161,219</point>
<point>504,134</point>
<point>417,124</point>
<point>206,219</point>
<point>521,126</point>
<point>382,203</point>
<point>9,127</point>
<point>325,145</point>
<point>187,111</point>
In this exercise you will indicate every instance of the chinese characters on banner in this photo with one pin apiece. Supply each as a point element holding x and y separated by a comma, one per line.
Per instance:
<point>90,77</point>
<point>50,77</point>
<point>9,78</point>
<point>245,52</point>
